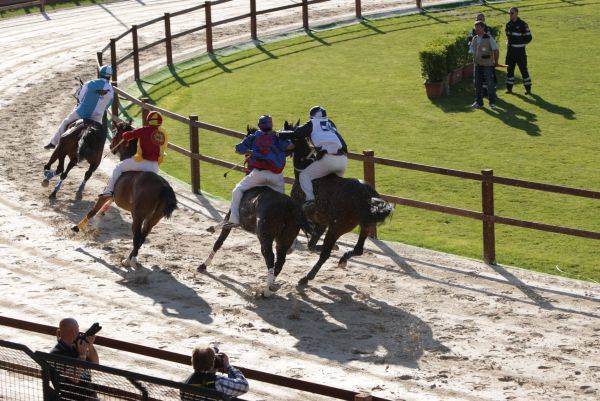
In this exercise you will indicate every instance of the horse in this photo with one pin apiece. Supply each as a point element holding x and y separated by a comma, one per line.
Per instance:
<point>84,139</point>
<point>341,205</point>
<point>146,195</point>
<point>273,217</point>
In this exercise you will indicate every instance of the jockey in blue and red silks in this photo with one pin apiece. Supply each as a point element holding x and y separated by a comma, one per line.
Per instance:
<point>266,160</point>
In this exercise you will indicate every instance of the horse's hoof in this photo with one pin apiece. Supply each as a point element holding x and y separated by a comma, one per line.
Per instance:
<point>342,263</point>
<point>267,293</point>
<point>52,195</point>
<point>201,268</point>
<point>130,262</point>
<point>45,182</point>
<point>303,281</point>
<point>211,229</point>
<point>75,229</point>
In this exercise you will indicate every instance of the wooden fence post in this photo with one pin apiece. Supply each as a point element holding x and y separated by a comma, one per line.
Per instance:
<point>418,2</point>
<point>113,58</point>
<point>42,6</point>
<point>145,111</point>
<point>209,37</point>
<point>136,56</point>
<point>115,104</point>
<point>195,149</point>
<point>363,397</point>
<point>487,201</point>
<point>369,172</point>
<point>305,14</point>
<point>253,32</point>
<point>168,45</point>
<point>99,61</point>
<point>358,6</point>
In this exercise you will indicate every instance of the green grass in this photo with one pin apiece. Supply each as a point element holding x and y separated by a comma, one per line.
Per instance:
<point>49,7</point>
<point>367,76</point>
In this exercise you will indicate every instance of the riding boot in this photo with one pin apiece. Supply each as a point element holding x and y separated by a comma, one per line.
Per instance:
<point>309,208</point>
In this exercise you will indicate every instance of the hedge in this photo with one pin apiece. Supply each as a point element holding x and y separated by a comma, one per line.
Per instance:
<point>446,54</point>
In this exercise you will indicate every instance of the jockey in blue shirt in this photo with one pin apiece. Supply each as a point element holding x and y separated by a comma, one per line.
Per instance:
<point>266,159</point>
<point>94,97</point>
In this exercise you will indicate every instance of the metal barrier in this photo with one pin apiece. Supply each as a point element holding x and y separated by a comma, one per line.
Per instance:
<point>22,376</point>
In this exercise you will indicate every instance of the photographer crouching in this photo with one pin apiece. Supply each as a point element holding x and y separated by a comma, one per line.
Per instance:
<point>74,344</point>
<point>207,362</point>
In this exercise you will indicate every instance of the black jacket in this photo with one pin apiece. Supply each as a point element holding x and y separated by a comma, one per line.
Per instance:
<point>518,34</point>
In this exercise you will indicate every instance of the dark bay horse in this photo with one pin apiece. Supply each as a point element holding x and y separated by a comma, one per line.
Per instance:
<point>273,217</point>
<point>148,196</point>
<point>83,140</point>
<point>341,205</point>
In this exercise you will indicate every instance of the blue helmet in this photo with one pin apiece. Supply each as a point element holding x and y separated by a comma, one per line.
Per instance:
<point>105,71</point>
<point>318,112</point>
<point>265,123</point>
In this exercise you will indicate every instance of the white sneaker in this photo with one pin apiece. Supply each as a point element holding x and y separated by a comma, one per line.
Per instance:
<point>476,105</point>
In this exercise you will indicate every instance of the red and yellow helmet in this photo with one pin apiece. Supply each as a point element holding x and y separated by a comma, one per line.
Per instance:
<point>154,118</point>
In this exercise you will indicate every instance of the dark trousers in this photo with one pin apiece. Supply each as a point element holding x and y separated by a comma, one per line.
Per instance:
<point>484,74</point>
<point>516,56</point>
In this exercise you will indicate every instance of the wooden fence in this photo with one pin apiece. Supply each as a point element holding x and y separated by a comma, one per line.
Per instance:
<point>487,178</point>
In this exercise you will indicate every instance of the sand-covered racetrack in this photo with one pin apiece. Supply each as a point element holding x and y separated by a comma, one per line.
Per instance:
<point>399,322</point>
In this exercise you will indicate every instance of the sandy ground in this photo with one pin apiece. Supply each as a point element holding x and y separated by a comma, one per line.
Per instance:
<point>400,322</point>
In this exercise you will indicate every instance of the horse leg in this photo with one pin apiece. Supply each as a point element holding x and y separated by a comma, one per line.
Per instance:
<point>330,239</point>
<point>48,173</point>
<point>266,248</point>
<point>358,248</point>
<point>100,203</point>
<point>63,175</point>
<point>314,238</point>
<point>86,177</point>
<point>222,237</point>
<point>136,229</point>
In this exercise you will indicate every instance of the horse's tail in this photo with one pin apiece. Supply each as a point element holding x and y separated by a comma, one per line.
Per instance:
<point>168,198</point>
<point>91,141</point>
<point>379,210</point>
<point>300,218</point>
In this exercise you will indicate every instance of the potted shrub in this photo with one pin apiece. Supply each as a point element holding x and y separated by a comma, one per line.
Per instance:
<point>460,53</point>
<point>434,68</point>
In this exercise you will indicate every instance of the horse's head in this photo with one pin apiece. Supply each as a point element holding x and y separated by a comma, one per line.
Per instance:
<point>302,148</point>
<point>117,144</point>
<point>250,130</point>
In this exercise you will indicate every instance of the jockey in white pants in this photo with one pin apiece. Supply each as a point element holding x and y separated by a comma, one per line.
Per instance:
<point>331,150</point>
<point>151,145</point>
<point>266,161</point>
<point>94,97</point>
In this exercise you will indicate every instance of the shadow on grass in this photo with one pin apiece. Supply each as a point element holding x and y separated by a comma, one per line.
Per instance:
<point>537,100</point>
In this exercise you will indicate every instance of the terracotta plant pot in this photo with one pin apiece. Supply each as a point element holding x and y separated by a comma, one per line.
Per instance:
<point>467,71</point>
<point>434,89</point>
<point>456,76</point>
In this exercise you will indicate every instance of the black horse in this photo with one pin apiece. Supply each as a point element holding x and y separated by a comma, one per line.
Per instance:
<point>83,140</point>
<point>341,205</point>
<point>273,217</point>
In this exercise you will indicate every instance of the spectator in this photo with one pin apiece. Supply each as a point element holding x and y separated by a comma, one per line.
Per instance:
<point>485,55</point>
<point>69,346</point>
<point>207,362</point>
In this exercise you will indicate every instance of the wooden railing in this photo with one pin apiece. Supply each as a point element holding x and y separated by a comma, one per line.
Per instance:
<point>367,157</point>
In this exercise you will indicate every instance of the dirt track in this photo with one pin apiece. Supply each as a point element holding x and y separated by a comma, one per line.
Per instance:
<point>400,322</point>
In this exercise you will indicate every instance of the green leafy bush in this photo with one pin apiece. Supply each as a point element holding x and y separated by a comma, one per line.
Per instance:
<point>434,65</point>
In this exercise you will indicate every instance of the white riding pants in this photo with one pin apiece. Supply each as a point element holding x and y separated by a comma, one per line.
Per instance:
<point>130,165</point>
<point>256,178</point>
<point>63,127</point>
<point>320,168</point>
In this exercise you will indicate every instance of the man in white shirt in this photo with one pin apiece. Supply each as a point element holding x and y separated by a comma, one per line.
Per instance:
<point>485,56</point>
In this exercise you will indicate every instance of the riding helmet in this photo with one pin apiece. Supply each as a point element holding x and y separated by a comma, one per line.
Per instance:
<point>318,112</point>
<point>154,118</point>
<point>265,123</point>
<point>105,71</point>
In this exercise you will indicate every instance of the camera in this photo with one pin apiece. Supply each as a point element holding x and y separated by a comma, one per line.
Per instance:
<point>89,332</point>
<point>219,360</point>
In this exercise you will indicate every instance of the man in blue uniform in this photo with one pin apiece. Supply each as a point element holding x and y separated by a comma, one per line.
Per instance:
<point>94,97</point>
<point>518,35</point>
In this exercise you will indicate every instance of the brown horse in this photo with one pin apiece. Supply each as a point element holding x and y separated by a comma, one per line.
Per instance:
<point>84,139</point>
<point>341,205</point>
<point>148,196</point>
<point>273,217</point>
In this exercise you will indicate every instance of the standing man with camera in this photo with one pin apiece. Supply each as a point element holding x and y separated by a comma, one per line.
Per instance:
<point>518,36</point>
<point>207,362</point>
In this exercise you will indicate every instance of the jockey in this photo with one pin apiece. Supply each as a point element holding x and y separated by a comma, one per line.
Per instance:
<point>94,97</point>
<point>331,152</point>
<point>266,159</point>
<point>151,145</point>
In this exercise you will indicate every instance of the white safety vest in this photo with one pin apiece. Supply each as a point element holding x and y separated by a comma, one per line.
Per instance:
<point>324,135</point>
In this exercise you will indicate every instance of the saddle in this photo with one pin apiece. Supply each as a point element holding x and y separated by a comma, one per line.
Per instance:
<point>77,127</point>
